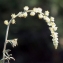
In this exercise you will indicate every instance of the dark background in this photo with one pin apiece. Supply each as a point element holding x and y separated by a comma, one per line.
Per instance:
<point>34,42</point>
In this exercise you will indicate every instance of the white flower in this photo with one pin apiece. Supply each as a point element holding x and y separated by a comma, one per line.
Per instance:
<point>13,16</point>
<point>26,8</point>
<point>53,24</point>
<point>49,23</point>
<point>20,14</point>
<point>47,13</point>
<point>37,10</point>
<point>55,28</point>
<point>25,14</point>
<point>52,19</point>
<point>13,42</point>
<point>55,39</point>
<point>46,18</point>
<point>55,35</point>
<point>13,21</point>
<point>6,22</point>
<point>40,16</point>
<point>51,29</point>
<point>32,13</point>
<point>55,45</point>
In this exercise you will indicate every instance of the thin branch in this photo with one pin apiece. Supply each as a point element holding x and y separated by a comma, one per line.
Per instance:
<point>6,39</point>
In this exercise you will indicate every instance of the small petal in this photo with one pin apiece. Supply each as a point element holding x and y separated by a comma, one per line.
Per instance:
<point>6,22</point>
<point>46,18</point>
<point>13,42</point>
<point>25,14</point>
<point>47,13</point>
<point>32,13</point>
<point>13,21</point>
<point>26,8</point>
<point>53,24</point>
<point>39,10</point>
<point>13,15</point>
<point>55,44</point>
<point>52,19</point>
<point>40,16</point>
<point>20,14</point>
<point>55,28</point>
<point>35,10</point>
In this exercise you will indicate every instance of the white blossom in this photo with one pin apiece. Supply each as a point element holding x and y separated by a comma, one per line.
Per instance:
<point>52,19</point>
<point>32,13</point>
<point>47,13</point>
<point>26,8</point>
<point>40,16</point>
<point>25,14</point>
<point>6,22</point>
<point>13,42</point>
<point>13,16</point>
<point>53,24</point>
<point>46,18</point>
<point>55,44</point>
<point>55,28</point>
<point>37,10</point>
<point>55,36</point>
<point>20,14</point>
<point>13,21</point>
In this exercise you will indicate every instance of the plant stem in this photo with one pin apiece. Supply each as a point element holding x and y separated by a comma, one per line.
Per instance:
<point>6,40</point>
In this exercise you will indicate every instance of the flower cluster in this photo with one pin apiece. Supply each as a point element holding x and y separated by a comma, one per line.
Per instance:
<point>13,42</point>
<point>41,15</point>
<point>54,34</point>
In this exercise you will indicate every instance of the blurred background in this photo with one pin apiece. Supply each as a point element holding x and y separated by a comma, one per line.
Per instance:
<point>34,42</point>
